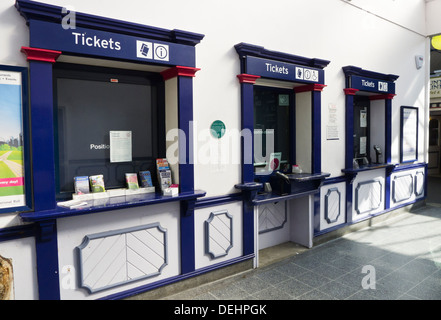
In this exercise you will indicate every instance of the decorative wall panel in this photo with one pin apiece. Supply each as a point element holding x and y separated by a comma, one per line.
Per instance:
<point>218,234</point>
<point>368,196</point>
<point>118,257</point>
<point>332,205</point>
<point>419,184</point>
<point>402,188</point>
<point>272,216</point>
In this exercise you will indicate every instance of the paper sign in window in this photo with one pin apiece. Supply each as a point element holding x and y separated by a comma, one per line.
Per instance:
<point>120,146</point>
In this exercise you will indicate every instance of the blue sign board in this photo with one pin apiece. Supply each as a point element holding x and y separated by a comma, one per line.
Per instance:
<point>91,42</point>
<point>283,71</point>
<point>372,85</point>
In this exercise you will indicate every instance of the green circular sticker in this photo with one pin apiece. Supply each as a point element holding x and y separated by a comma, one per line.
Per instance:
<point>217,129</point>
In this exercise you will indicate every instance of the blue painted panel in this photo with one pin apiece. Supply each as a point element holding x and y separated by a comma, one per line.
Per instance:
<point>372,85</point>
<point>42,135</point>
<point>247,123</point>
<point>388,131</point>
<point>316,132</point>
<point>91,42</point>
<point>349,132</point>
<point>185,118</point>
<point>187,243</point>
<point>46,247</point>
<point>283,71</point>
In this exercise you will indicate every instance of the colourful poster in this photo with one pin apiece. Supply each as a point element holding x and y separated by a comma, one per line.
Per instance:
<point>12,190</point>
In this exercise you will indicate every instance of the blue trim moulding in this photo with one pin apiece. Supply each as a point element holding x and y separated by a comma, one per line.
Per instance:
<point>124,202</point>
<point>107,38</point>
<point>245,49</point>
<point>256,60</point>
<point>17,232</point>
<point>357,71</point>
<point>32,10</point>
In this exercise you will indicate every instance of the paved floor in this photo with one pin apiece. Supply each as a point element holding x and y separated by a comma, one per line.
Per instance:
<point>398,259</point>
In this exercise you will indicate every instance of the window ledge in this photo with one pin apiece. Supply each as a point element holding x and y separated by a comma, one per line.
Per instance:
<point>369,167</point>
<point>351,173</point>
<point>114,203</point>
<point>276,197</point>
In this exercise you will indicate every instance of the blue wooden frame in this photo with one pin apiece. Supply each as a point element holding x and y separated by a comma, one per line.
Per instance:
<point>26,139</point>
<point>247,51</point>
<point>45,21</point>
<point>353,79</point>
<point>247,80</point>
<point>402,134</point>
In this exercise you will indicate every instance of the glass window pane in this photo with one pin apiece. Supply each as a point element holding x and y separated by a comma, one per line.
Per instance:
<point>88,109</point>
<point>271,125</point>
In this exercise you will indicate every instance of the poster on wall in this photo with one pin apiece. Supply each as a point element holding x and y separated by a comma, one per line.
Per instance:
<point>12,149</point>
<point>409,134</point>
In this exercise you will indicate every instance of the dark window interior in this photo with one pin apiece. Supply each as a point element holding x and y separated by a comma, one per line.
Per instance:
<point>433,132</point>
<point>361,129</point>
<point>272,116</point>
<point>89,102</point>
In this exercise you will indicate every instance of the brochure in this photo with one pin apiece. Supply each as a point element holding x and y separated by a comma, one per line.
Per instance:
<point>146,179</point>
<point>81,184</point>
<point>132,181</point>
<point>97,183</point>
<point>164,173</point>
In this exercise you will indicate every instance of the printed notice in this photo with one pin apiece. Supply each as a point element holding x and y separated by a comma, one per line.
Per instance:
<point>409,140</point>
<point>120,146</point>
<point>363,142</point>
<point>363,118</point>
<point>332,127</point>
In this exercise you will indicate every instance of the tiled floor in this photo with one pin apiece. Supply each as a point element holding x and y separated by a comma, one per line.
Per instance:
<point>399,259</point>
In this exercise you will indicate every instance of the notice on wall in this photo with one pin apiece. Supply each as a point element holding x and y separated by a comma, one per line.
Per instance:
<point>12,190</point>
<point>120,146</point>
<point>363,145</point>
<point>363,118</point>
<point>332,125</point>
<point>409,134</point>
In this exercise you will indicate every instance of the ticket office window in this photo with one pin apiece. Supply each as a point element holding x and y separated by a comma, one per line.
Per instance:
<point>90,102</point>
<point>273,108</point>
<point>361,130</point>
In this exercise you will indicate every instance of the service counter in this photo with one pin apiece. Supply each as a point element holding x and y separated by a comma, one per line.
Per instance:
<point>187,199</point>
<point>117,245</point>
<point>286,213</point>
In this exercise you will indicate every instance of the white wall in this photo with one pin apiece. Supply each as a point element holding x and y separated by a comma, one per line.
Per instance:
<point>22,254</point>
<point>433,22</point>
<point>377,35</point>
<point>382,36</point>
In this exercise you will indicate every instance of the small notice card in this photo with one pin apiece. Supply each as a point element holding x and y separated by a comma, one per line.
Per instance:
<point>120,146</point>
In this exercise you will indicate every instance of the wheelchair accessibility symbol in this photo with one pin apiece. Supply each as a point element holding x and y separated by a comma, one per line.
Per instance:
<point>307,74</point>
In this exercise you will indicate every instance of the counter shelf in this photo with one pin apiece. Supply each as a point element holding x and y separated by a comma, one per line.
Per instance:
<point>300,184</point>
<point>188,200</point>
<point>352,172</point>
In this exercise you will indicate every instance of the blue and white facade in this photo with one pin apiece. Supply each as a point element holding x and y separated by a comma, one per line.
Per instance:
<point>210,59</point>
